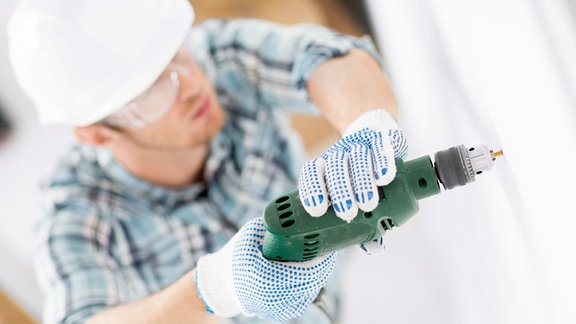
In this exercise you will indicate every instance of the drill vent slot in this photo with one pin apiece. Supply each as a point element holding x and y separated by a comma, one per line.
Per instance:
<point>311,243</point>
<point>286,215</point>
<point>288,223</point>
<point>282,199</point>
<point>306,256</point>
<point>284,206</point>
<point>310,249</point>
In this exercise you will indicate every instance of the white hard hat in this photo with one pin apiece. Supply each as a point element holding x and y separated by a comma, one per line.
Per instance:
<point>81,60</point>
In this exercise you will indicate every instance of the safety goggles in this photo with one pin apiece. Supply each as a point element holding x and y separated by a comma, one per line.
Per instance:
<point>154,103</point>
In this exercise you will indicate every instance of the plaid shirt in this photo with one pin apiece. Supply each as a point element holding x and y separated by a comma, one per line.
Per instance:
<point>109,237</point>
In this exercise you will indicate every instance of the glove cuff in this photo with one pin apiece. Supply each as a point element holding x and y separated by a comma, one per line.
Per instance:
<point>215,284</point>
<point>377,119</point>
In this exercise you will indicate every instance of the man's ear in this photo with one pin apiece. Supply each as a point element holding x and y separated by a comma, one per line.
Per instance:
<point>96,134</point>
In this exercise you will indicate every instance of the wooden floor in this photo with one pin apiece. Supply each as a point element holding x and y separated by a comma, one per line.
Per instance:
<point>10,313</point>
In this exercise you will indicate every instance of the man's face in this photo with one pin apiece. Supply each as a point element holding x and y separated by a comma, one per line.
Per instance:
<point>194,118</point>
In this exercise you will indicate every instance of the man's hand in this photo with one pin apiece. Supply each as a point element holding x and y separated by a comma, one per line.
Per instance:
<point>347,174</point>
<point>238,279</point>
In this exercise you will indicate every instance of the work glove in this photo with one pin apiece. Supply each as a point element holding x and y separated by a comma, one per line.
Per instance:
<point>348,172</point>
<point>238,279</point>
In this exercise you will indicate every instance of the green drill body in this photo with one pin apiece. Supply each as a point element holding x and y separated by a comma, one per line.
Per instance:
<point>293,235</point>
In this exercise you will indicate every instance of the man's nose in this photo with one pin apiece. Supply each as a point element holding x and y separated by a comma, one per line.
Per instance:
<point>190,84</point>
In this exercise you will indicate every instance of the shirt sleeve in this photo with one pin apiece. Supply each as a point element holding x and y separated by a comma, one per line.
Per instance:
<point>275,59</point>
<point>74,269</point>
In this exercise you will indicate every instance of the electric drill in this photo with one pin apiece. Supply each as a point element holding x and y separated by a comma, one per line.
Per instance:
<point>293,235</point>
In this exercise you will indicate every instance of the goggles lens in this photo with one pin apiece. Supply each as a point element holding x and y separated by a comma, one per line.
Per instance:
<point>153,104</point>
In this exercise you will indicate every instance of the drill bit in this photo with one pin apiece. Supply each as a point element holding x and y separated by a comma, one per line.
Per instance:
<point>496,154</point>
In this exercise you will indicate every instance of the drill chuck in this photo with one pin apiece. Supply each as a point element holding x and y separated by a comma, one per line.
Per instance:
<point>458,165</point>
<point>293,235</point>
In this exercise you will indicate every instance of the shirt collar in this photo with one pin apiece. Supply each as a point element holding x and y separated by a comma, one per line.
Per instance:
<point>220,150</point>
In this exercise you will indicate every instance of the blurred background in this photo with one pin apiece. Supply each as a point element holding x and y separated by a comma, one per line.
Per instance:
<point>500,73</point>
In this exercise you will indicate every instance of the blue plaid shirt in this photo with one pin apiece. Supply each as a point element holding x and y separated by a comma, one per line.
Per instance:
<point>109,237</point>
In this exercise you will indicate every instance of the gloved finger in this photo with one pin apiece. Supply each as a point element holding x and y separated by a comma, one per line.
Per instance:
<point>256,224</point>
<point>362,175</point>
<point>312,188</point>
<point>339,185</point>
<point>399,143</point>
<point>382,157</point>
<point>374,247</point>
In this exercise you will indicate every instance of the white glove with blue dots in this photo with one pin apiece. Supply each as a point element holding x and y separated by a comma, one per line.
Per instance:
<point>347,174</point>
<point>238,279</point>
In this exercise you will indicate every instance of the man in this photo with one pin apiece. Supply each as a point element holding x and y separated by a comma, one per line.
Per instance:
<point>183,140</point>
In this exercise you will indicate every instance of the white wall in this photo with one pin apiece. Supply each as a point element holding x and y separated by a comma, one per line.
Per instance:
<point>500,250</point>
<point>24,159</point>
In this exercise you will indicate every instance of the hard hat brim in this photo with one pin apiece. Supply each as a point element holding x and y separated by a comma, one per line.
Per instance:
<point>147,68</point>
